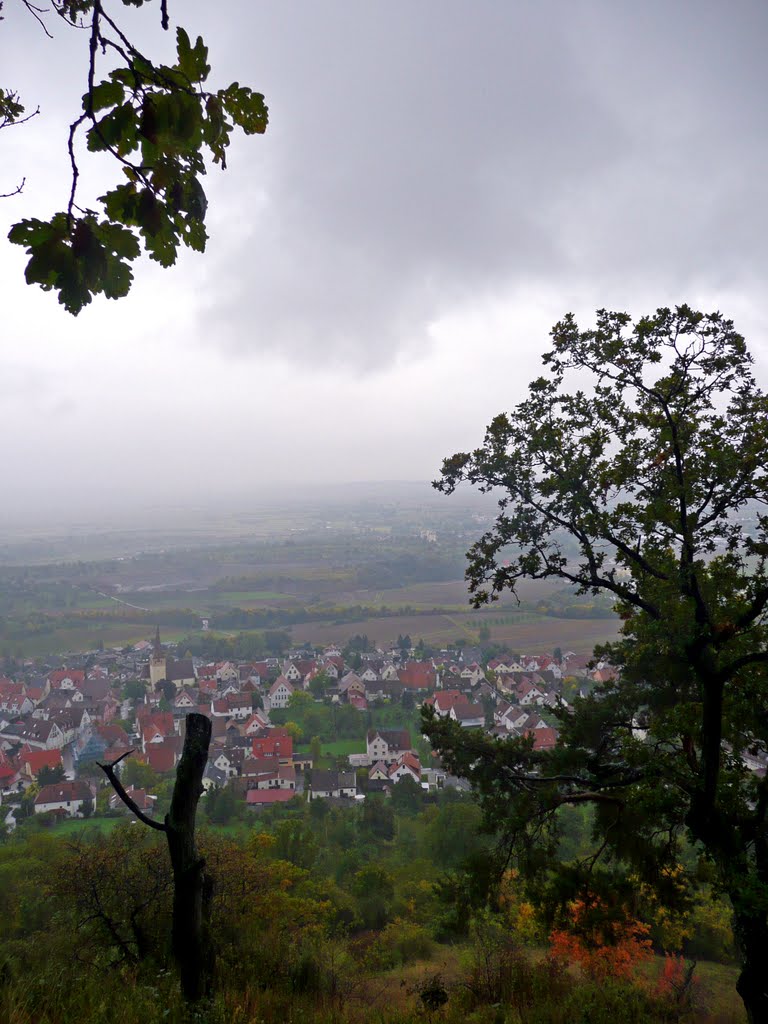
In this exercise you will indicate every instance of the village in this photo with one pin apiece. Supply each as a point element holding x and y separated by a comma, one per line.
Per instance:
<point>56,728</point>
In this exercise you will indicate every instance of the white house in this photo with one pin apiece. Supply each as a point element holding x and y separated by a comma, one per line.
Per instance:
<point>37,732</point>
<point>223,763</point>
<point>469,716</point>
<point>291,672</point>
<point>332,784</point>
<point>70,797</point>
<point>407,765</point>
<point>387,744</point>
<point>279,694</point>
<point>473,674</point>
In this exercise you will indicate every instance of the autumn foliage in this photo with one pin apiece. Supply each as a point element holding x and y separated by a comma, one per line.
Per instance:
<point>603,945</point>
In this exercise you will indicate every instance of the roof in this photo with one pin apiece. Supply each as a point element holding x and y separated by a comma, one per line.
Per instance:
<point>258,765</point>
<point>96,688</point>
<point>161,757</point>
<point>217,775</point>
<point>543,739</point>
<point>265,745</point>
<point>256,719</point>
<point>350,679</point>
<point>417,675</point>
<point>39,759</point>
<point>36,729</point>
<point>269,796</point>
<point>161,721</point>
<point>112,733</point>
<point>55,678</point>
<point>280,681</point>
<point>183,669</point>
<point>411,760</point>
<point>64,792</point>
<point>446,699</point>
<point>140,797</point>
<point>329,780</point>
<point>396,739</point>
<point>468,712</point>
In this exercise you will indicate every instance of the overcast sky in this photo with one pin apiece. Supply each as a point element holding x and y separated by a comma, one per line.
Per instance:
<point>439,183</point>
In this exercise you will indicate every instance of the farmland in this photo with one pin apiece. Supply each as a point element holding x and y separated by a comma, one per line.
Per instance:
<point>320,574</point>
<point>530,632</point>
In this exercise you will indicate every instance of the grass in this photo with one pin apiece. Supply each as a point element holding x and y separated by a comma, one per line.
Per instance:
<point>76,826</point>
<point>237,830</point>
<point>715,999</point>
<point>341,748</point>
<point>88,638</point>
<point>330,751</point>
<point>103,826</point>
<point>243,597</point>
<point>78,639</point>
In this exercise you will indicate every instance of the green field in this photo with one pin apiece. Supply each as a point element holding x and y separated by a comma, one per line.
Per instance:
<point>103,826</point>
<point>340,748</point>
<point>80,826</point>
<point>205,599</point>
<point>521,630</point>
<point>244,597</point>
<point>88,638</point>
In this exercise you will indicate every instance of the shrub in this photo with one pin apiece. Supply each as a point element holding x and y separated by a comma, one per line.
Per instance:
<point>401,942</point>
<point>711,932</point>
<point>608,1001</point>
<point>604,946</point>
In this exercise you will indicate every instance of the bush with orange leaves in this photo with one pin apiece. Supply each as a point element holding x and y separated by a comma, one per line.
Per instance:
<point>603,945</point>
<point>676,984</point>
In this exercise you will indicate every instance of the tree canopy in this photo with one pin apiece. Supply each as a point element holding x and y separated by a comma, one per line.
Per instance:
<point>636,467</point>
<point>159,123</point>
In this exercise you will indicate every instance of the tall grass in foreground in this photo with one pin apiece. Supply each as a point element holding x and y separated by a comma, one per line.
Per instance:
<point>450,990</point>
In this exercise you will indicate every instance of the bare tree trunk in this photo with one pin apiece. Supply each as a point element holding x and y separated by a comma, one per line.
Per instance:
<point>752,984</point>
<point>192,885</point>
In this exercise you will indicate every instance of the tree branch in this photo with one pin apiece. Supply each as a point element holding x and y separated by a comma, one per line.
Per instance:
<point>22,120</point>
<point>581,798</point>
<point>19,188</point>
<point>109,771</point>
<point>36,12</point>
<point>755,658</point>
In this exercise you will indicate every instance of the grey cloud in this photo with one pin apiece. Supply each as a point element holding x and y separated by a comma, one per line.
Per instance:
<point>422,155</point>
<point>419,154</point>
<point>412,162</point>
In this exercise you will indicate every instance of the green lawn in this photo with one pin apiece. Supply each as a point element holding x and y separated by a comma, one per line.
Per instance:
<point>76,826</point>
<point>341,748</point>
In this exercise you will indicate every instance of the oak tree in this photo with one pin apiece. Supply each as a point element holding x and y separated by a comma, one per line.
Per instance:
<point>636,467</point>
<point>160,124</point>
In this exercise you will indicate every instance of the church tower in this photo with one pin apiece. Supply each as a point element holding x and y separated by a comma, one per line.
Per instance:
<point>157,664</point>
